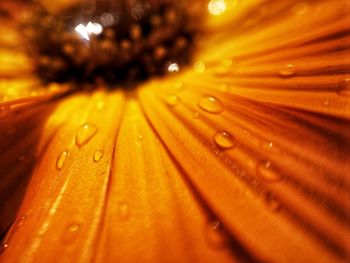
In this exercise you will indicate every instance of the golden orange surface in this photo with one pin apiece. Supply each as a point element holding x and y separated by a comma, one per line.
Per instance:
<point>242,157</point>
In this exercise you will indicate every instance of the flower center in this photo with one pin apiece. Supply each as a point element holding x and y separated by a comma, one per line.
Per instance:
<point>111,43</point>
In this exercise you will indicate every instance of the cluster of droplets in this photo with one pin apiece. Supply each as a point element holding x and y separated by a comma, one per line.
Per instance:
<point>84,134</point>
<point>290,70</point>
<point>224,140</point>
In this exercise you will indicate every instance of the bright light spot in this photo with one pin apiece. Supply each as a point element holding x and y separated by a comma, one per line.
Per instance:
<point>217,7</point>
<point>81,29</point>
<point>94,28</point>
<point>90,28</point>
<point>174,67</point>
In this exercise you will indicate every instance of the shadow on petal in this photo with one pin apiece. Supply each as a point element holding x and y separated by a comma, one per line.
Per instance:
<point>20,132</point>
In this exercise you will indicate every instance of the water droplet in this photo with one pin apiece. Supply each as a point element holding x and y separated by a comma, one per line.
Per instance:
<point>172,100</point>
<point>3,247</point>
<point>272,202</point>
<point>211,104</point>
<point>199,67</point>
<point>224,140</point>
<point>61,159</point>
<point>4,109</point>
<point>288,70</point>
<point>71,233</point>
<point>269,147</point>
<point>20,221</point>
<point>85,134</point>
<point>326,102</point>
<point>123,211</point>
<point>215,235</point>
<point>344,87</point>
<point>73,228</point>
<point>264,171</point>
<point>139,140</point>
<point>196,115</point>
<point>98,156</point>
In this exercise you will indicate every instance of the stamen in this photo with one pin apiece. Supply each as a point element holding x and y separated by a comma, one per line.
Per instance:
<point>122,44</point>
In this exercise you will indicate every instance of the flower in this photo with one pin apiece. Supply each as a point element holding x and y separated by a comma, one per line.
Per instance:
<point>242,157</point>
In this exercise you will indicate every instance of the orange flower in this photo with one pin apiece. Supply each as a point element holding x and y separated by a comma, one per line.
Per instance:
<point>242,157</point>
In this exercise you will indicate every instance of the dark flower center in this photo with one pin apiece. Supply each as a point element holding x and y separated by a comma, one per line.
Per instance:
<point>112,44</point>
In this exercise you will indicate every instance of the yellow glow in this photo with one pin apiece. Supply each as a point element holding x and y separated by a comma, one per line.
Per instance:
<point>197,158</point>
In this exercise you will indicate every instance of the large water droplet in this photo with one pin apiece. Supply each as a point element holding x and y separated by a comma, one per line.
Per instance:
<point>98,156</point>
<point>172,100</point>
<point>211,104</point>
<point>287,70</point>
<point>224,140</point>
<point>61,159</point>
<point>344,87</point>
<point>215,235</point>
<point>85,134</point>
<point>265,172</point>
